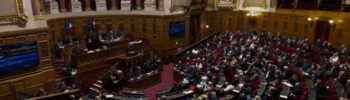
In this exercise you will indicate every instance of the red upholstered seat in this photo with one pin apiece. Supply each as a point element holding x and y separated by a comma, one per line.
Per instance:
<point>256,84</point>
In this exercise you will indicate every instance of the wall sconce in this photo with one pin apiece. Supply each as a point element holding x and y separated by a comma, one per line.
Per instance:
<point>309,19</point>
<point>340,20</point>
<point>207,26</point>
<point>331,21</point>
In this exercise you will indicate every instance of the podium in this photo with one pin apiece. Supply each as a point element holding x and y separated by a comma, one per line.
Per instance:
<point>101,5</point>
<point>125,5</point>
<point>51,7</point>
<point>126,62</point>
<point>76,6</point>
<point>150,5</point>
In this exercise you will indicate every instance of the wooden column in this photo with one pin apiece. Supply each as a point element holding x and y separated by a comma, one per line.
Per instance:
<point>113,4</point>
<point>296,4</point>
<point>36,7</point>
<point>187,31</point>
<point>87,5</point>
<point>138,5</point>
<point>63,6</point>
<point>160,5</point>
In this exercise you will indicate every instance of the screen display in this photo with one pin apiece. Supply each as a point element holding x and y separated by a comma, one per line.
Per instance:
<point>176,28</point>
<point>19,55</point>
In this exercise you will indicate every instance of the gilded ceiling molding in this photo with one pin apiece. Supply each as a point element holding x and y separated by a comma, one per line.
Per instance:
<point>18,18</point>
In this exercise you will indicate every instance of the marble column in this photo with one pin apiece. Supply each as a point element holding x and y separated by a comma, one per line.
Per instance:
<point>36,7</point>
<point>62,5</point>
<point>87,5</point>
<point>161,5</point>
<point>138,5</point>
<point>113,4</point>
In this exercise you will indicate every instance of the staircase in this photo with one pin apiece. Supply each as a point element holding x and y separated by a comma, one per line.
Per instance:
<point>58,67</point>
<point>97,85</point>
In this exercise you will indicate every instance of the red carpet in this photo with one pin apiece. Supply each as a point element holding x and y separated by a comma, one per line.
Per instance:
<point>167,82</point>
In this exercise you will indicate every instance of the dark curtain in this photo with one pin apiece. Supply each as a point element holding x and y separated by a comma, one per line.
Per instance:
<point>194,28</point>
<point>322,30</point>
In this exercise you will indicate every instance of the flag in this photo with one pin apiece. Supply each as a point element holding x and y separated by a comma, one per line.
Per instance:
<point>69,27</point>
<point>91,24</point>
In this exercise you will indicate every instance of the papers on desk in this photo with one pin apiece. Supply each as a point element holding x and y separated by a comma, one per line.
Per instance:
<point>134,92</point>
<point>149,73</point>
<point>304,73</point>
<point>284,97</point>
<point>185,81</point>
<point>219,86</point>
<point>240,85</point>
<point>187,92</point>
<point>199,86</point>
<point>236,91</point>
<point>204,78</point>
<point>288,84</point>
<point>109,96</point>
<point>134,42</point>
<point>90,51</point>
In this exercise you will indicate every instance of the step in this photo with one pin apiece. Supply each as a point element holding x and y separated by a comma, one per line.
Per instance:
<point>98,85</point>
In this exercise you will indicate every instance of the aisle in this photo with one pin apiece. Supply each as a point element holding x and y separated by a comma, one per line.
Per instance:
<point>166,82</point>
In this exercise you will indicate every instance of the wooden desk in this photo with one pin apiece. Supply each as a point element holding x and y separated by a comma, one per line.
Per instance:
<point>145,82</point>
<point>134,92</point>
<point>178,96</point>
<point>116,97</point>
<point>227,97</point>
<point>126,61</point>
<point>177,76</point>
<point>163,92</point>
<point>57,96</point>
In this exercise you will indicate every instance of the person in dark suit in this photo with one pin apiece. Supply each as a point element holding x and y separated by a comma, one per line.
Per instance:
<point>287,73</point>
<point>297,90</point>
<point>174,88</point>
<point>334,70</point>
<point>343,77</point>
<point>320,89</point>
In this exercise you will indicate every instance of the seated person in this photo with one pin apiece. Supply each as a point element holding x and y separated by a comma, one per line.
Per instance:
<point>297,90</point>
<point>320,89</point>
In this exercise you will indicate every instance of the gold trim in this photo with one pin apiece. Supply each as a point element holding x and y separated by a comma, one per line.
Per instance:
<point>38,17</point>
<point>245,4</point>
<point>19,18</point>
